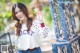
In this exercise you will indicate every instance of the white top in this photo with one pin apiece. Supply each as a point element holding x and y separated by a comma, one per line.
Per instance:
<point>32,39</point>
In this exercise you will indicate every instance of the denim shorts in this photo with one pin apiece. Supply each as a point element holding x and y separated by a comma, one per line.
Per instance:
<point>35,50</point>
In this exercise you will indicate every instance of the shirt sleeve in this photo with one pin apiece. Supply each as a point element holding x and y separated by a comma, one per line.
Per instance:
<point>43,31</point>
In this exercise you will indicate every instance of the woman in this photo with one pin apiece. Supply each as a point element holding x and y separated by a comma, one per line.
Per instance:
<point>29,37</point>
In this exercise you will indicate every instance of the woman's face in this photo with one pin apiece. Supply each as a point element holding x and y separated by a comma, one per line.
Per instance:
<point>19,14</point>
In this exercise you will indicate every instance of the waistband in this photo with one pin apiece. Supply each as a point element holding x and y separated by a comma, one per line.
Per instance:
<point>34,48</point>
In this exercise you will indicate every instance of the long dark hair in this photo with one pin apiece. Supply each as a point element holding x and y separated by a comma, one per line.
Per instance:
<point>24,9</point>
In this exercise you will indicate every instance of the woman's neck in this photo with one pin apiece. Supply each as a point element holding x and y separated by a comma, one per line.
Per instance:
<point>24,21</point>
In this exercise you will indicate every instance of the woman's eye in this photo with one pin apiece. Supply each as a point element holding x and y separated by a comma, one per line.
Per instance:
<point>18,12</point>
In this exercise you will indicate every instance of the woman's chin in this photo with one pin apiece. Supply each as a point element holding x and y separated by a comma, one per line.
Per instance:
<point>20,19</point>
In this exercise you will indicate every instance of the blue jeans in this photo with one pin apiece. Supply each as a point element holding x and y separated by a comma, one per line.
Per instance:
<point>36,50</point>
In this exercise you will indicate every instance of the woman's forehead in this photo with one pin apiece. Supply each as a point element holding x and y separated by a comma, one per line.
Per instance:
<point>16,9</point>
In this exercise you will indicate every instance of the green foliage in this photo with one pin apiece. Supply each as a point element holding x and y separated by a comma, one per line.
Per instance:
<point>7,15</point>
<point>47,16</point>
<point>21,1</point>
<point>2,24</point>
<point>2,11</point>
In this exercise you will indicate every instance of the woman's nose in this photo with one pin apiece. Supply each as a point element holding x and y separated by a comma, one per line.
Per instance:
<point>19,13</point>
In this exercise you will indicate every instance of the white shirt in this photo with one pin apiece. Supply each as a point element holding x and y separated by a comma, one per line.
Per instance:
<point>32,39</point>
